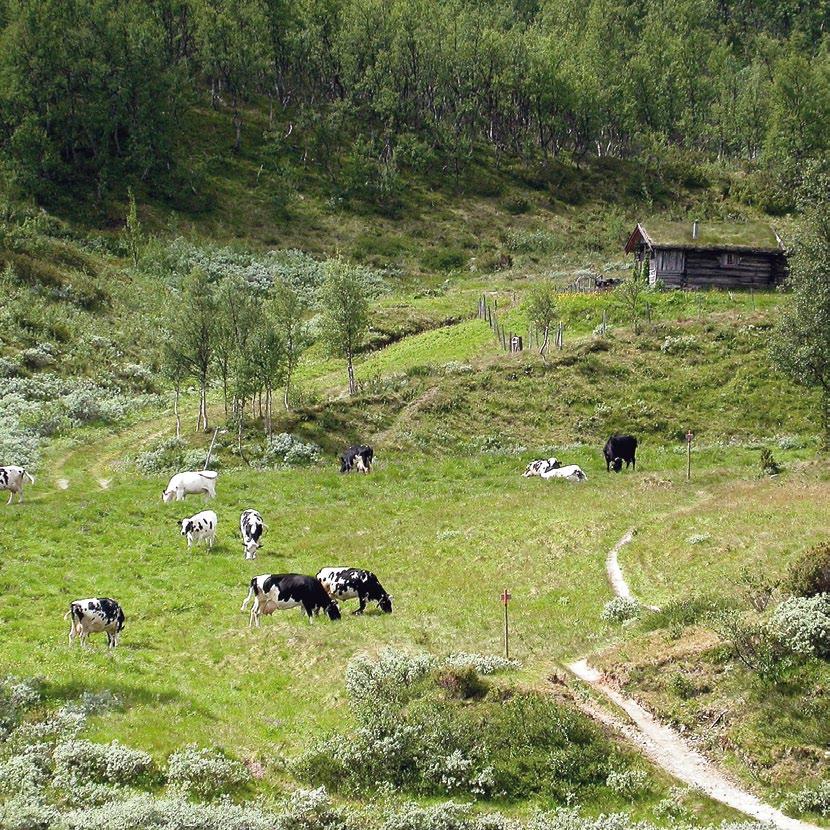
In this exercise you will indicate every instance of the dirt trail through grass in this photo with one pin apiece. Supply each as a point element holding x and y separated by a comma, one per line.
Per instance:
<point>662,744</point>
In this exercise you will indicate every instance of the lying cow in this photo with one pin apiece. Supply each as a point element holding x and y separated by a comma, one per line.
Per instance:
<point>278,592</point>
<point>200,528</point>
<point>353,583</point>
<point>536,468</point>
<point>252,527</point>
<point>190,484</point>
<point>357,458</point>
<point>619,448</point>
<point>89,616</point>
<point>571,472</point>
<point>11,478</point>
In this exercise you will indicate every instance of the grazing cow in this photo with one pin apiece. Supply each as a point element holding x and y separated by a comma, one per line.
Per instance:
<point>571,472</point>
<point>277,592</point>
<point>188,484</point>
<point>199,528</point>
<point>252,527</point>
<point>619,448</point>
<point>11,478</point>
<point>351,583</point>
<point>357,458</point>
<point>536,468</point>
<point>89,616</point>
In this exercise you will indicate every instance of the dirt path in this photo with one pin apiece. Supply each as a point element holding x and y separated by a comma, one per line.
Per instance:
<point>615,574</point>
<point>662,744</point>
<point>668,750</point>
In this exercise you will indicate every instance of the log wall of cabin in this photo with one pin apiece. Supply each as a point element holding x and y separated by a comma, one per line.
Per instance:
<point>710,269</point>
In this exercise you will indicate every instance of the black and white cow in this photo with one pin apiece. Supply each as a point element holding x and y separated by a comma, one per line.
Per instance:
<point>357,458</point>
<point>619,448</point>
<point>571,472</point>
<point>12,478</point>
<point>201,527</point>
<point>354,583</point>
<point>536,468</point>
<point>89,616</point>
<point>252,527</point>
<point>278,592</point>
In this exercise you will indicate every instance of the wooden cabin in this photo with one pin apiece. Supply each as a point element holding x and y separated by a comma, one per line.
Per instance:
<point>709,254</point>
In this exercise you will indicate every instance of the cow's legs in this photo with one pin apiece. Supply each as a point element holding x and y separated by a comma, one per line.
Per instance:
<point>310,611</point>
<point>362,607</point>
<point>71,632</point>
<point>11,496</point>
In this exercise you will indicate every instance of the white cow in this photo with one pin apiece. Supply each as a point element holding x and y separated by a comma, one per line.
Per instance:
<point>90,616</point>
<point>536,468</point>
<point>199,528</point>
<point>188,484</point>
<point>11,478</point>
<point>570,473</point>
<point>251,527</point>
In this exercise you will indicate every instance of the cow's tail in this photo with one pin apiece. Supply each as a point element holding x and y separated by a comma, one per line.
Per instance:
<point>30,477</point>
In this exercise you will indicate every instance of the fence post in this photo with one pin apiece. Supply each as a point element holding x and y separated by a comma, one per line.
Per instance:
<point>521,344</point>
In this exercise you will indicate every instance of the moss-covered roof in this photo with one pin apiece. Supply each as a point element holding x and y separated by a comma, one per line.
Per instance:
<point>757,236</point>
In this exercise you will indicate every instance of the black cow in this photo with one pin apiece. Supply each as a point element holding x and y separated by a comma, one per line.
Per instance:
<point>273,592</point>
<point>619,448</point>
<point>357,458</point>
<point>351,583</point>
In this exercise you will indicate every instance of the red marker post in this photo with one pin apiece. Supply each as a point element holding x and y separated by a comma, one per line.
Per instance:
<point>689,436</point>
<point>505,598</point>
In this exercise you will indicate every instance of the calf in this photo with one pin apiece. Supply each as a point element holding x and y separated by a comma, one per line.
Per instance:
<point>619,448</point>
<point>278,592</point>
<point>536,468</point>
<point>201,527</point>
<point>188,484</point>
<point>89,616</point>
<point>358,458</point>
<point>570,473</point>
<point>351,583</point>
<point>11,478</point>
<point>252,527</point>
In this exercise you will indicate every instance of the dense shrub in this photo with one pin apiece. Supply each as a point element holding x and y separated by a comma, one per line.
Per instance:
<point>811,800</point>
<point>430,729</point>
<point>628,783</point>
<point>802,624</point>
<point>810,574</point>
<point>167,456</point>
<point>206,772</point>
<point>530,241</point>
<point>753,644</point>
<point>621,609</point>
<point>288,450</point>
<point>80,761</point>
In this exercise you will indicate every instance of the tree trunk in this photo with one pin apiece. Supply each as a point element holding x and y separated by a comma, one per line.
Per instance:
<point>825,417</point>
<point>285,396</point>
<point>352,381</point>
<point>268,427</point>
<point>544,349</point>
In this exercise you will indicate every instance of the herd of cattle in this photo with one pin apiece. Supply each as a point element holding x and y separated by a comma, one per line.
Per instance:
<point>273,592</point>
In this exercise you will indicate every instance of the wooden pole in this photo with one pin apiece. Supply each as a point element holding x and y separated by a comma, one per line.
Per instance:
<point>505,598</point>
<point>689,437</point>
<point>210,450</point>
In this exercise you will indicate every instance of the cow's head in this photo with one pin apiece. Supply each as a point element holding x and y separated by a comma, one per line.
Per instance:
<point>385,604</point>
<point>167,496</point>
<point>617,464</point>
<point>251,548</point>
<point>333,610</point>
<point>554,463</point>
<point>187,526</point>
